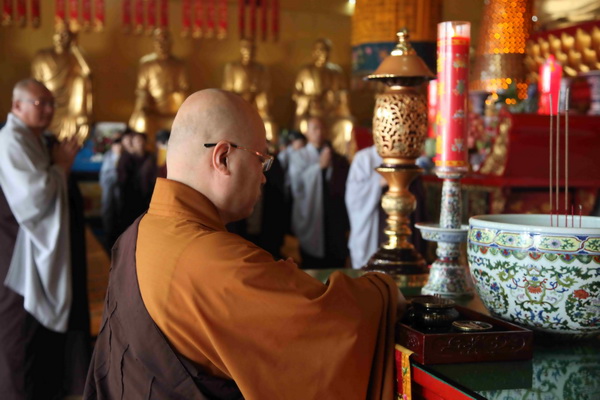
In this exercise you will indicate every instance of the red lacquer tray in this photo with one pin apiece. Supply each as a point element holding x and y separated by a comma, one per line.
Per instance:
<point>504,342</point>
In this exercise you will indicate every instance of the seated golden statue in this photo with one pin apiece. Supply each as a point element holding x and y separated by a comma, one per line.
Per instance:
<point>65,72</point>
<point>321,91</point>
<point>162,86</point>
<point>250,80</point>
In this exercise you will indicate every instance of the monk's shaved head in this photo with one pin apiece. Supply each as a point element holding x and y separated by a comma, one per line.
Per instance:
<point>24,87</point>
<point>208,116</point>
<point>212,116</point>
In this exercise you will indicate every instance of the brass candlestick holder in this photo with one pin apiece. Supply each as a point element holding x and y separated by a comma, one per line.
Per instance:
<point>399,133</point>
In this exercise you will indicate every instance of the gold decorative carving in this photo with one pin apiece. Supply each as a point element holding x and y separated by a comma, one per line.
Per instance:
<point>400,125</point>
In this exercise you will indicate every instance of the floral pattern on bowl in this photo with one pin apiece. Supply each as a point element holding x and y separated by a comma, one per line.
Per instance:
<point>544,278</point>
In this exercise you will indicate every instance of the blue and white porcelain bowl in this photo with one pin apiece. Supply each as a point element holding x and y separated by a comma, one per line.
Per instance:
<point>542,277</point>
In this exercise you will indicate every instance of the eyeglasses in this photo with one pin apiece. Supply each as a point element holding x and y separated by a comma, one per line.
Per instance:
<point>266,160</point>
<point>41,103</point>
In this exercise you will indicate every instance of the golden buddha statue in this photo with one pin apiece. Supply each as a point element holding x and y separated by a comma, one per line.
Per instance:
<point>65,72</point>
<point>321,91</point>
<point>250,80</point>
<point>162,86</point>
<point>555,14</point>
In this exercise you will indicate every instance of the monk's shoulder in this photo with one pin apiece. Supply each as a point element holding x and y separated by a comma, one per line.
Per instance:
<point>222,246</point>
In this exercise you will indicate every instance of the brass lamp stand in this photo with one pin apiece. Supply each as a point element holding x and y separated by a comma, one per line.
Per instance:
<point>399,133</point>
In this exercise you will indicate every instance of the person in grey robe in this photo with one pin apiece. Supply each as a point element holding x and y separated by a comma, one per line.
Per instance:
<point>36,292</point>
<point>319,218</point>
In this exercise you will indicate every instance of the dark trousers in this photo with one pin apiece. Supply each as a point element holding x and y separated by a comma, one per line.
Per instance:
<point>31,356</point>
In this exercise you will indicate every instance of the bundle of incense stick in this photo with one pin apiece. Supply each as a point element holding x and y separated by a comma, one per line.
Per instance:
<point>554,160</point>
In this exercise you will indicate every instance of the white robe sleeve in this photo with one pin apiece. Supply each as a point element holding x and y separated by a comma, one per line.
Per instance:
<point>36,192</point>
<point>363,197</point>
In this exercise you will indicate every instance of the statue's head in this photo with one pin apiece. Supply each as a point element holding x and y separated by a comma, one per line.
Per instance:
<point>247,50</point>
<point>162,43</point>
<point>321,51</point>
<point>62,38</point>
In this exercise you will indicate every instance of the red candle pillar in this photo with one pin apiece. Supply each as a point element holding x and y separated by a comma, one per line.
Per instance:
<point>549,86</point>
<point>432,103</point>
<point>453,74</point>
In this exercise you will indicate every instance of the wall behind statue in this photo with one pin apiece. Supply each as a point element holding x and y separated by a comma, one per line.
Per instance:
<point>114,55</point>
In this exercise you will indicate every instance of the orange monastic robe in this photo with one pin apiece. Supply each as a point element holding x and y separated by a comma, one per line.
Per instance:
<point>226,305</point>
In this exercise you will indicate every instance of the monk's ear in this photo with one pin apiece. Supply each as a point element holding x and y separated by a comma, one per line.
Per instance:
<point>16,105</point>
<point>220,157</point>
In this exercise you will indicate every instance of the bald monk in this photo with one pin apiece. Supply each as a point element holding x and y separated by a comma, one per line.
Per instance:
<point>195,312</point>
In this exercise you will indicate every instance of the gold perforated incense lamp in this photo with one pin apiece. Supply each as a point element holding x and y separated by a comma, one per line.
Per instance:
<point>399,133</point>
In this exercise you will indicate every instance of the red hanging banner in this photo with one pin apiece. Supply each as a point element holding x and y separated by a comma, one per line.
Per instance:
<point>7,12</point>
<point>210,19</point>
<point>99,18</point>
<point>186,17</point>
<point>138,16</point>
<point>253,19</point>
<point>35,13</point>
<point>263,19</point>
<point>21,13</point>
<point>151,16</point>
<point>275,20</point>
<point>126,15</point>
<point>198,19</point>
<point>60,13</point>
<point>242,18</point>
<point>74,15</point>
<point>222,30</point>
<point>164,13</point>
<point>86,13</point>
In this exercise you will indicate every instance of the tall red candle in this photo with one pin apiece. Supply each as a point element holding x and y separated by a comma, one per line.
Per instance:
<point>86,13</point>
<point>150,15</point>
<point>198,19</point>
<point>549,85</point>
<point>7,12</point>
<point>126,15</point>
<point>432,102</point>
<point>275,21</point>
<point>21,13</point>
<point>74,15</point>
<point>35,13</point>
<point>138,16</point>
<point>186,17</point>
<point>164,13</point>
<point>60,12</point>
<point>210,18</point>
<point>453,74</point>
<point>263,18</point>
<point>100,15</point>
<point>253,18</point>
<point>222,32</point>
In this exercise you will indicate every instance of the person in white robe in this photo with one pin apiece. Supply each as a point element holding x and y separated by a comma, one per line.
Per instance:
<point>364,189</point>
<point>319,218</point>
<point>35,267</point>
<point>363,202</point>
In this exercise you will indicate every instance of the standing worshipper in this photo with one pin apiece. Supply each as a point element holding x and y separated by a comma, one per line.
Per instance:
<point>38,268</point>
<point>364,189</point>
<point>319,218</point>
<point>195,312</point>
<point>111,199</point>
<point>363,200</point>
<point>137,173</point>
